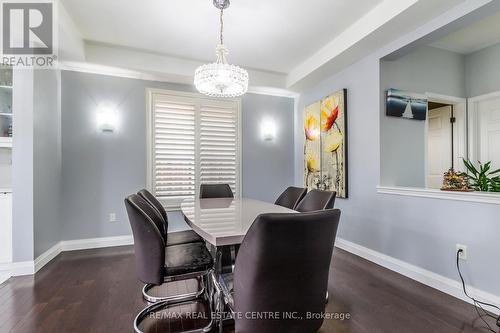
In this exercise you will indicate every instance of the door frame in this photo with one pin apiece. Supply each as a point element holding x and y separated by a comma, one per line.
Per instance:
<point>472,119</point>
<point>460,113</point>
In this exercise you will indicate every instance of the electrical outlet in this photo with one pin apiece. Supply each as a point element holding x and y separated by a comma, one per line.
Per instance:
<point>112,217</point>
<point>462,255</point>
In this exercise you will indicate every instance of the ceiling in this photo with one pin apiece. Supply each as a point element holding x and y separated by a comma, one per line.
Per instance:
<point>286,45</point>
<point>475,37</point>
<point>267,35</point>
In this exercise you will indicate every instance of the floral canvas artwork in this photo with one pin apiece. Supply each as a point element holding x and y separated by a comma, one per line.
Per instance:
<point>325,147</point>
<point>312,146</point>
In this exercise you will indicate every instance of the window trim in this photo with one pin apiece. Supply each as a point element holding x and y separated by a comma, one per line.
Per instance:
<point>149,138</point>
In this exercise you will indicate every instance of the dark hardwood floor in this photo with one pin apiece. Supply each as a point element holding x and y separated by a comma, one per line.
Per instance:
<point>97,291</point>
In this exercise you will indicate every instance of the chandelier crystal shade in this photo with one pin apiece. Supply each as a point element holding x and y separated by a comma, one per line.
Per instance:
<point>220,79</point>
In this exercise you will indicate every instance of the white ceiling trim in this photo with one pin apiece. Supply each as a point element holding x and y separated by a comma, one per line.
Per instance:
<point>95,68</point>
<point>366,25</point>
<point>159,67</point>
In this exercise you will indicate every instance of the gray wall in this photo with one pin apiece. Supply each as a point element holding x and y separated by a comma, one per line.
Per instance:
<point>266,165</point>
<point>425,70</point>
<point>482,70</point>
<point>47,160</point>
<point>99,170</point>
<point>22,166</point>
<point>419,231</point>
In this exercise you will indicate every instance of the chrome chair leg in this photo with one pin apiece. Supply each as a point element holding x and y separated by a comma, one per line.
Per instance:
<point>187,296</point>
<point>178,300</point>
<point>155,306</point>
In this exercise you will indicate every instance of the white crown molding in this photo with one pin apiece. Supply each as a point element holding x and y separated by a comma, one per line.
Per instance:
<point>431,279</point>
<point>480,197</point>
<point>93,68</point>
<point>273,92</point>
<point>128,62</point>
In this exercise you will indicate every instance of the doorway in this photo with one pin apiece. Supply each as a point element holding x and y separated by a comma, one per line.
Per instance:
<point>445,137</point>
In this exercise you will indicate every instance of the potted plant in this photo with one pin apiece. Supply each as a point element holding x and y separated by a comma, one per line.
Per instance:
<point>482,179</point>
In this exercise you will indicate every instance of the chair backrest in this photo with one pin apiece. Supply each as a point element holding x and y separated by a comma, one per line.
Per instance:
<point>149,243</point>
<point>316,200</point>
<point>282,267</point>
<point>208,191</point>
<point>155,203</point>
<point>291,197</point>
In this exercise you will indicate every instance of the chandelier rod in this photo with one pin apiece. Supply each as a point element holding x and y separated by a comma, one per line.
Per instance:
<point>221,26</point>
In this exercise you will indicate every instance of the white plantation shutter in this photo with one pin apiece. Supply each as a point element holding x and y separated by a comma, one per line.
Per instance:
<point>193,140</point>
<point>218,150</point>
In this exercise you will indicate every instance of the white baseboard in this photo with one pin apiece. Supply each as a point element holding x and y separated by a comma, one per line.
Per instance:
<point>4,276</point>
<point>31,267</point>
<point>95,243</point>
<point>431,279</point>
<point>47,256</point>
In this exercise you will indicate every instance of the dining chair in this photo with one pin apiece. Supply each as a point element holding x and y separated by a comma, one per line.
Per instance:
<point>227,254</point>
<point>291,197</point>
<point>209,191</point>
<point>174,238</point>
<point>282,267</point>
<point>316,200</point>
<point>157,264</point>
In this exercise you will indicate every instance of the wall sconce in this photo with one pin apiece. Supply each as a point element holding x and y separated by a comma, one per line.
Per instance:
<point>268,129</point>
<point>107,119</point>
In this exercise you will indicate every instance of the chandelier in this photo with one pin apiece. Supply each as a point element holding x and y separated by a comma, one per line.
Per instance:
<point>220,79</point>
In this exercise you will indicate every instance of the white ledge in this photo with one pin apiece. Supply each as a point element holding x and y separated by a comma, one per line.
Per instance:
<point>482,197</point>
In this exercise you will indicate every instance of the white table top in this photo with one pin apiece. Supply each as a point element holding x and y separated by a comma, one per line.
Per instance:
<point>225,221</point>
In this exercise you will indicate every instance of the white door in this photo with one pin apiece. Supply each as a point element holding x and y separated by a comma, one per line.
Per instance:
<point>5,228</point>
<point>438,145</point>
<point>489,131</point>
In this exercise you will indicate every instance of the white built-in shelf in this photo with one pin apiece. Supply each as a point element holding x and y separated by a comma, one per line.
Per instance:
<point>8,114</point>
<point>5,142</point>
<point>5,87</point>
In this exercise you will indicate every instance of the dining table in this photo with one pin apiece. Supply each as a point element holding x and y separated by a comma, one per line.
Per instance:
<point>223,224</point>
<point>225,221</point>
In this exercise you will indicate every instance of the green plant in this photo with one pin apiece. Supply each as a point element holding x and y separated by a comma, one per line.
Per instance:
<point>483,179</point>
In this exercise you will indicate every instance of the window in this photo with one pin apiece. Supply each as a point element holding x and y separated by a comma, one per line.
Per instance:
<point>192,139</point>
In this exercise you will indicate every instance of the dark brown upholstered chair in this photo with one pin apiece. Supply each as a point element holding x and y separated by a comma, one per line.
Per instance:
<point>291,197</point>
<point>278,251</point>
<point>208,191</point>
<point>316,200</point>
<point>174,238</point>
<point>157,263</point>
<point>220,191</point>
